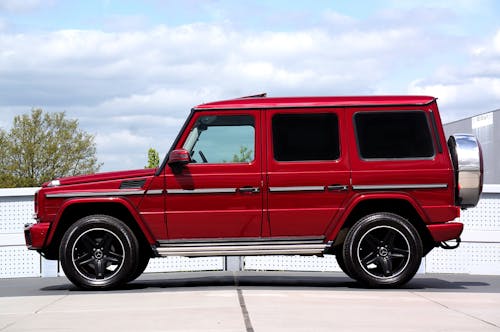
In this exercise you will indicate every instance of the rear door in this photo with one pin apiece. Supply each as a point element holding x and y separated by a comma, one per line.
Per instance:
<point>308,172</point>
<point>394,150</point>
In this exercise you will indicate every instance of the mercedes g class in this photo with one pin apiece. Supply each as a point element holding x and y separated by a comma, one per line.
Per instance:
<point>371,180</point>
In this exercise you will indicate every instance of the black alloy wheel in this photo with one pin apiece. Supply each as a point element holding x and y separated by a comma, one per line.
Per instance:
<point>99,252</point>
<point>382,250</point>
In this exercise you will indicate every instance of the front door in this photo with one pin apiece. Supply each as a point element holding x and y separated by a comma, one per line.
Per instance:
<point>218,194</point>
<point>308,171</point>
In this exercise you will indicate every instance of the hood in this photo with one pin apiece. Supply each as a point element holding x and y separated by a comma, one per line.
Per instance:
<point>99,177</point>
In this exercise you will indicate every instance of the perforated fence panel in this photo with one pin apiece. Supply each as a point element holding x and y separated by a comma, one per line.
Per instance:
<point>185,264</point>
<point>15,212</point>
<point>484,217</point>
<point>472,258</point>
<point>16,209</point>
<point>17,261</point>
<point>478,254</point>
<point>291,263</point>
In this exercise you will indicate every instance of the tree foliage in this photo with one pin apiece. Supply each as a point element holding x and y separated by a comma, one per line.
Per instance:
<point>245,155</point>
<point>153,159</point>
<point>42,146</point>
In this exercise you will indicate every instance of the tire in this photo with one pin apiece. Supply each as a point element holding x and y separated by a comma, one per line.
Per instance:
<point>140,267</point>
<point>341,263</point>
<point>382,250</point>
<point>98,252</point>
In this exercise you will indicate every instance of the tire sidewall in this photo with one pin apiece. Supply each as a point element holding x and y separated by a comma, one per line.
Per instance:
<point>366,225</point>
<point>110,224</point>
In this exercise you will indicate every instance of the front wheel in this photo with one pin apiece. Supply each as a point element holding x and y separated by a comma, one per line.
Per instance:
<point>382,250</point>
<point>98,252</point>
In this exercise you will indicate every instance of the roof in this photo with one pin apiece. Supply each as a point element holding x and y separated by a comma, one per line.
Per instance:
<point>332,101</point>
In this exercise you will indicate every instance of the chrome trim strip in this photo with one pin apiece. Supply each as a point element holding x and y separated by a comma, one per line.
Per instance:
<point>297,188</point>
<point>242,241</point>
<point>241,253</point>
<point>154,192</point>
<point>312,246</point>
<point>242,248</point>
<point>202,191</point>
<point>241,244</point>
<point>96,194</point>
<point>400,186</point>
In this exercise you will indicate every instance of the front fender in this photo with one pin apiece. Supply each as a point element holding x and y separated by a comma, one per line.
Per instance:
<point>94,200</point>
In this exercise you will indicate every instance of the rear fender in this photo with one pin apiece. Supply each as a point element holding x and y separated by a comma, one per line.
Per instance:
<point>340,221</point>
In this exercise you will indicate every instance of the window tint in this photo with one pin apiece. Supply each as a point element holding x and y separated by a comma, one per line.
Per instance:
<point>391,135</point>
<point>300,137</point>
<point>222,139</point>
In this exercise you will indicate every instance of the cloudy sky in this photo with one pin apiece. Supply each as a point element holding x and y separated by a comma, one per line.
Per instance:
<point>130,71</point>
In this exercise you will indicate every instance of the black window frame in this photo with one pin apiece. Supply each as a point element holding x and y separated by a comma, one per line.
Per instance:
<point>428,126</point>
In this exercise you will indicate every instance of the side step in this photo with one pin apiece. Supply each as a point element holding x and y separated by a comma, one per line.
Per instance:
<point>242,247</point>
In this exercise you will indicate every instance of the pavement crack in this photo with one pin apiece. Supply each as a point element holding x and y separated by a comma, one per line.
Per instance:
<point>455,310</point>
<point>243,306</point>
<point>34,313</point>
<point>49,304</point>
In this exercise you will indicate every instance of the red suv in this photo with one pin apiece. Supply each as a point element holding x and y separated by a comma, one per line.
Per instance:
<point>369,179</point>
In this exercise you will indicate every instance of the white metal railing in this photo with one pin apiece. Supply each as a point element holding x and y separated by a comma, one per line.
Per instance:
<point>478,254</point>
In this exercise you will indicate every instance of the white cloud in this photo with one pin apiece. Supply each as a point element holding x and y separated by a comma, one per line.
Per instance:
<point>23,5</point>
<point>466,90</point>
<point>134,88</point>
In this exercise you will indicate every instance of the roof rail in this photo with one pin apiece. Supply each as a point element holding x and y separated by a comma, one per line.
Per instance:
<point>260,95</point>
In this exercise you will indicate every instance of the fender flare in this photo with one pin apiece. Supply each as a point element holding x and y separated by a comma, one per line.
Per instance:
<point>338,223</point>
<point>115,200</point>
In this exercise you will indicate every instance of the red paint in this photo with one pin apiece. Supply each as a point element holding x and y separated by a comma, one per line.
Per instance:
<point>446,232</point>
<point>36,234</point>
<point>171,203</point>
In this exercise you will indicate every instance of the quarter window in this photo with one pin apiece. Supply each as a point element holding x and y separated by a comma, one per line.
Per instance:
<point>305,137</point>
<point>393,135</point>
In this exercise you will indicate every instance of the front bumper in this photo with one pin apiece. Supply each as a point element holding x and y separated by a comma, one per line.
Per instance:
<point>35,235</point>
<point>446,232</point>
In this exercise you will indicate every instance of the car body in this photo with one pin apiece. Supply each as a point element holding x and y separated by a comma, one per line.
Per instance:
<point>371,179</point>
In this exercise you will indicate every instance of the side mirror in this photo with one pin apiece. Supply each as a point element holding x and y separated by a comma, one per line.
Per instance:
<point>179,157</point>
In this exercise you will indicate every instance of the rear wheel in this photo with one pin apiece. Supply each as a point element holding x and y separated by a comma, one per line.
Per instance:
<point>98,252</point>
<point>382,250</point>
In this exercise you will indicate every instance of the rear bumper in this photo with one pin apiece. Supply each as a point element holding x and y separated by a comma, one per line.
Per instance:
<point>446,232</point>
<point>35,235</point>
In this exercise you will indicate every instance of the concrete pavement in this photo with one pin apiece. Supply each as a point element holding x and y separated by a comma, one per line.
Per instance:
<point>252,301</point>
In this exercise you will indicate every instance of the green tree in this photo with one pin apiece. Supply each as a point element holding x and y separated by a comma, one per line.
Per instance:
<point>42,146</point>
<point>153,159</point>
<point>246,155</point>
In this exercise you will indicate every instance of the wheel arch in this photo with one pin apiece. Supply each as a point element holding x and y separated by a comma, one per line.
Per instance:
<point>399,204</point>
<point>75,209</point>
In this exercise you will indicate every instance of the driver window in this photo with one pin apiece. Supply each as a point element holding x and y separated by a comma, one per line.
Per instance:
<point>222,139</point>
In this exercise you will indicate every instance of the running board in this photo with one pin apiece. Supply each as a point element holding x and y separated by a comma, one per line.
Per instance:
<point>241,247</point>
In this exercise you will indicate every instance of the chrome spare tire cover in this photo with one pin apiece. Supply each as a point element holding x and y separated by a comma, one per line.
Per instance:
<point>467,159</point>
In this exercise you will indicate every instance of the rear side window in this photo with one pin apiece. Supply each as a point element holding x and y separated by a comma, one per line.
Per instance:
<point>304,137</point>
<point>393,135</point>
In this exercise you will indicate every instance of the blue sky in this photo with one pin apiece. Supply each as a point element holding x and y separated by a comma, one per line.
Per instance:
<point>129,71</point>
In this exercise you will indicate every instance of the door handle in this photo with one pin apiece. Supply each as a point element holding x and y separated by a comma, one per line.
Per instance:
<point>249,190</point>
<point>337,187</point>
